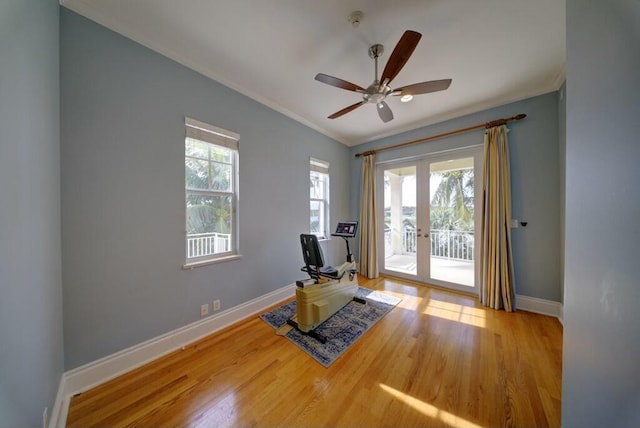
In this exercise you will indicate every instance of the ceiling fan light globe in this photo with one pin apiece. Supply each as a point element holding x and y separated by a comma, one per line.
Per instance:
<point>406,98</point>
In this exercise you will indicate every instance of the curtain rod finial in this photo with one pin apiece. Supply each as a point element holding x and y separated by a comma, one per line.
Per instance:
<point>520,116</point>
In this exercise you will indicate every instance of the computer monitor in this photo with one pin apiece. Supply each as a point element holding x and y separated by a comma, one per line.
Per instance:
<point>346,229</point>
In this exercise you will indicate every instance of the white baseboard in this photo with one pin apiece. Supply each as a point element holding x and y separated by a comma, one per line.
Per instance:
<point>97,372</point>
<point>539,306</point>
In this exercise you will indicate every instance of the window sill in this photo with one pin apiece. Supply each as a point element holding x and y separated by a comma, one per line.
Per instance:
<point>191,265</point>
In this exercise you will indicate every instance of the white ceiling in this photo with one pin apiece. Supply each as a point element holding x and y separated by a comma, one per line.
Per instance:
<point>496,51</point>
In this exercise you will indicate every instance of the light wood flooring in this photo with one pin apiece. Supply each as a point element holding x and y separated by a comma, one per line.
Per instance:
<point>437,359</point>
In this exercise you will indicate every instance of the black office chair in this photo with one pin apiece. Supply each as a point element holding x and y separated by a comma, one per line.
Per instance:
<point>314,260</point>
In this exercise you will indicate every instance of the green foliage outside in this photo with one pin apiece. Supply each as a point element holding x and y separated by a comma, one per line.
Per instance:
<point>452,203</point>
<point>452,210</point>
<point>208,168</point>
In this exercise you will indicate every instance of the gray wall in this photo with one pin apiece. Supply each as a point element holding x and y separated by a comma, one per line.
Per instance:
<point>123,221</point>
<point>535,183</point>
<point>31,354</point>
<point>601,380</point>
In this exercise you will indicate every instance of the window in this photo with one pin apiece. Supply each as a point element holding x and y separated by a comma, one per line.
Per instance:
<point>319,198</point>
<point>211,192</point>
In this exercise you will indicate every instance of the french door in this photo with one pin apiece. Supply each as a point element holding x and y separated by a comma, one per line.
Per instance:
<point>428,214</point>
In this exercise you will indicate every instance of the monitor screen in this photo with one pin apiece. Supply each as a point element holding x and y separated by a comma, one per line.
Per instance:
<point>346,228</point>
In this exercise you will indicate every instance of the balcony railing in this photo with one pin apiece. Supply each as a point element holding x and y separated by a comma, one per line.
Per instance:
<point>452,244</point>
<point>449,244</point>
<point>206,244</point>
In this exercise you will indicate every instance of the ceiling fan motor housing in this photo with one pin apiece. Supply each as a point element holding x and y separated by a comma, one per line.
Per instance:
<point>376,92</point>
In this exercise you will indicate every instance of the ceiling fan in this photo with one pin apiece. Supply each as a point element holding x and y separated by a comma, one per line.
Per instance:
<point>380,89</point>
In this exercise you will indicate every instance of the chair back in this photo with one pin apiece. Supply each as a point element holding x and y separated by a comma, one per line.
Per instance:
<point>312,254</point>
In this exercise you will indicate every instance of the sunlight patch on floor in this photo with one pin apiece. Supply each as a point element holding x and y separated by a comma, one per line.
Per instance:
<point>410,304</point>
<point>223,413</point>
<point>455,312</point>
<point>428,409</point>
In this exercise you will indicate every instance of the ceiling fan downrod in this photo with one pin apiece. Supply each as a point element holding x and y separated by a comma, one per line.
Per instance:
<point>377,91</point>
<point>374,52</point>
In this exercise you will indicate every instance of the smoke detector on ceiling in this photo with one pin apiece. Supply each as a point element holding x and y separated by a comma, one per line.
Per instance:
<point>355,18</point>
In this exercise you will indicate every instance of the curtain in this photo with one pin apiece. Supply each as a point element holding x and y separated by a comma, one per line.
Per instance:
<point>497,279</point>
<point>368,225</point>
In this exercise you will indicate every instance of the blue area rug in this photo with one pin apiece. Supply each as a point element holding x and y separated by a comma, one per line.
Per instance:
<point>341,330</point>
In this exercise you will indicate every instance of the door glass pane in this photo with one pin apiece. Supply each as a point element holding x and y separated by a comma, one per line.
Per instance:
<point>452,221</point>
<point>400,220</point>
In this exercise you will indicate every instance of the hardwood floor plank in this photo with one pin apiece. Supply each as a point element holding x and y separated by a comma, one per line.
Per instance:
<point>438,359</point>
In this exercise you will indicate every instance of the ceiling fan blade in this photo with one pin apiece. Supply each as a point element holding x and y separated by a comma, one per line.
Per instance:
<point>423,87</point>
<point>338,83</point>
<point>400,55</point>
<point>346,110</point>
<point>384,111</point>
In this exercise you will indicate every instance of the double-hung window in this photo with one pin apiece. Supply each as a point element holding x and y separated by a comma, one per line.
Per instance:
<point>319,198</point>
<point>211,192</point>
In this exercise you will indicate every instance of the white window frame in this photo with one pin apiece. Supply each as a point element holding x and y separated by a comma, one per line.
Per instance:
<point>321,168</point>
<point>228,140</point>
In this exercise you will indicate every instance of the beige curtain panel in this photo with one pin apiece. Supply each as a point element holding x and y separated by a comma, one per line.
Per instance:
<point>497,279</point>
<point>368,225</point>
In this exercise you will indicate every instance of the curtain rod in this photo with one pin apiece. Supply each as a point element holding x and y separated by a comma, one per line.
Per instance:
<point>491,124</point>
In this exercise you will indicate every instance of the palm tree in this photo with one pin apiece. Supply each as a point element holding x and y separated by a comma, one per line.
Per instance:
<point>207,168</point>
<point>452,208</point>
<point>452,202</point>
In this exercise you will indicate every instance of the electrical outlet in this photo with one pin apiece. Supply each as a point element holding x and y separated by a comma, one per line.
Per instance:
<point>45,418</point>
<point>216,305</point>
<point>204,309</point>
